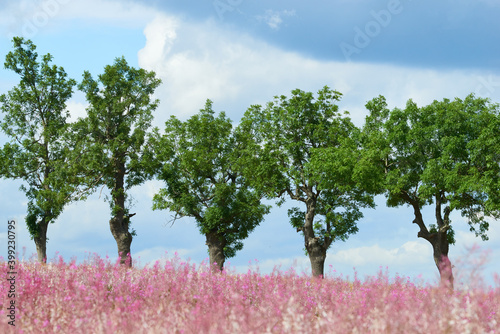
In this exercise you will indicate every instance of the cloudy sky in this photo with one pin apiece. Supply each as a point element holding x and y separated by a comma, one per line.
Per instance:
<point>242,52</point>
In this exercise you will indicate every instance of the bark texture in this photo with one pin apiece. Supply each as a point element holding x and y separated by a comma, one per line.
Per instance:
<point>123,240</point>
<point>317,257</point>
<point>41,241</point>
<point>315,249</point>
<point>119,224</point>
<point>216,246</point>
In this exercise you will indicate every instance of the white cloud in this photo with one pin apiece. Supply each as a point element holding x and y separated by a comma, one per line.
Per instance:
<point>414,252</point>
<point>81,218</point>
<point>161,34</point>
<point>149,256</point>
<point>119,13</point>
<point>152,187</point>
<point>200,61</point>
<point>76,110</point>
<point>273,18</point>
<point>465,237</point>
<point>29,17</point>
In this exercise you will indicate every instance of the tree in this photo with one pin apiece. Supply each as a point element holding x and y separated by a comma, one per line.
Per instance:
<point>39,151</point>
<point>306,149</point>
<point>445,154</point>
<point>119,116</point>
<point>197,159</point>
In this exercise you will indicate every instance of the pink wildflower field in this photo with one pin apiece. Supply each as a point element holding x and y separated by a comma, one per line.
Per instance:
<point>171,296</point>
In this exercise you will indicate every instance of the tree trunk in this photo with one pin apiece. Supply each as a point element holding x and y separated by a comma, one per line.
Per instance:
<point>119,224</point>
<point>41,241</point>
<point>43,224</point>
<point>316,251</point>
<point>438,239</point>
<point>440,244</point>
<point>216,245</point>
<point>317,256</point>
<point>123,239</point>
<point>440,247</point>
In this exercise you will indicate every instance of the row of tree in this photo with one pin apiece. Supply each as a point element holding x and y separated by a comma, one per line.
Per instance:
<point>446,154</point>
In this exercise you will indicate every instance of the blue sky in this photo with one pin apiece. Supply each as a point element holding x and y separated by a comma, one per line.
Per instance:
<point>239,53</point>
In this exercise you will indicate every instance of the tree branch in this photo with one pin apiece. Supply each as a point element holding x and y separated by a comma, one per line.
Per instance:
<point>424,232</point>
<point>439,218</point>
<point>295,196</point>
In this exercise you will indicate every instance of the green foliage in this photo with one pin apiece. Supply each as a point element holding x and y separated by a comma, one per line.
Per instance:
<point>114,134</point>
<point>445,153</point>
<point>297,218</point>
<point>197,160</point>
<point>304,148</point>
<point>40,151</point>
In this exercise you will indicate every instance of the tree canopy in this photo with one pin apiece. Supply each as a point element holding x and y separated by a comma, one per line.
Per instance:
<point>198,159</point>
<point>306,149</point>
<point>116,147</point>
<point>444,154</point>
<point>39,152</point>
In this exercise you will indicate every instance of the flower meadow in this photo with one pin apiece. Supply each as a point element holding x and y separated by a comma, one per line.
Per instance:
<point>171,296</point>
